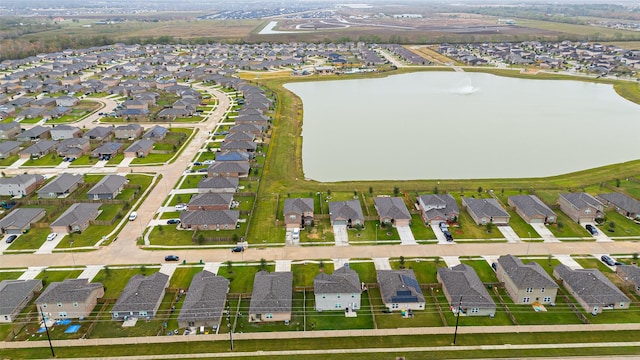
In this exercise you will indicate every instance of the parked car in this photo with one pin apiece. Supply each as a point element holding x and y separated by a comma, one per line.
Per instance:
<point>11,238</point>
<point>181,207</point>
<point>448,235</point>
<point>443,226</point>
<point>133,216</point>
<point>208,162</point>
<point>238,249</point>
<point>591,229</point>
<point>197,163</point>
<point>296,234</point>
<point>204,170</point>
<point>608,260</point>
<point>51,236</point>
<point>173,221</point>
<point>494,266</point>
<point>172,258</point>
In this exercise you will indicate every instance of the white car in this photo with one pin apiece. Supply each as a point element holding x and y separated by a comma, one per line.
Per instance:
<point>208,162</point>
<point>181,207</point>
<point>51,236</point>
<point>133,216</point>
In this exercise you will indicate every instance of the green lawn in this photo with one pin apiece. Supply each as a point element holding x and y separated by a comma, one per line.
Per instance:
<point>31,240</point>
<point>386,233</point>
<point>424,269</point>
<point>366,271</point>
<point>303,274</point>
<point>469,230</point>
<point>561,313</point>
<point>10,275</point>
<point>10,160</point>
<point>623,226</point>
<point>152,159</point>
<point>182,277</point>
<point>321,232</point>
<point>89,237</point>
<point>241,276</point>
<point>191,181</point>
<point>420,230</point>
<point>84,160</point>
<point>115,160</point>
<point>115,279</point>
<point>483,269</point>
<point>589,262</point>
<point>523,229</point>
<point>52,275</point>
<point>170,236</point>
<point>569,227</point>
<point>45,160</point>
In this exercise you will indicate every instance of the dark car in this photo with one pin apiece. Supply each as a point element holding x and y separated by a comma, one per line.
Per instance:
<point>197,163</point>
<point>448,235</point>
<point>203,170</point>
<point>173,221</point>
<point>171,258</point>
<point>607,260</point>
<point>591,229</point>
<point>11,238</point>
<point>494,266</point>
<point>238,249</point>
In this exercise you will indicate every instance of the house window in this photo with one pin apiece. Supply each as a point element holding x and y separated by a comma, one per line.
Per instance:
<point>62,314</point>
<point>324,296</point>
<point>292,217</point>
<point>547,299</point>
<point>338,296</point>
<point>143,313</point>
<point>338,305</point>
<point>353,296</point>
<point>44,305</point>
<point>529,290</point>
<point>541,290</point>
<point>226,226</point>
<point>588,211</point>
<point>526,300</point>
<point>59,304</point>
<point>475,310</point>
<point>621,304</point>
<point>75,304</point>
<point>269,316</point>
<point>115,315</point>
<point>6,318</point>
<point>394,306</point>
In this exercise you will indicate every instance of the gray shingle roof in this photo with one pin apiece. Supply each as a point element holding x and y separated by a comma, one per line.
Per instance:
<point>439,205</point>
<point>392,207</point>
<point>485,207</point>
<point>78,213</point>
<point>581,200</point>
<point>524,276</point>
<point>591,285</point>
<point>211,199</point>
<point>461,281</point>
<point>622,201</point>
<point>68,291</point>
<point>61,183</point>
<point>298,205</point>
<point>7,146</point>
<point>13,293</point>
<point>155,131</point>
<point>344,210</point>
<point>40,146</point>
<point>394,285</point>
<point>209,217</point>
<point>99,132</point>
<point>218,182</point>
<point>632,272</point>
<point>272,292</point>
<point>230,167</point>
<point>531,205</point>
<point>107,185</point>
<point>108,148</point>
<point>205,298</point>
<point>21,179</point>
<point>142,293</point>
<point>20,218</point>
<point>140,145</point>
<point>342,281</point>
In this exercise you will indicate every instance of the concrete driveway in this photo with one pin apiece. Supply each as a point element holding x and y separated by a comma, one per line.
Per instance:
<point>568,260</point>
<point>406,236</point>
<point>340,234</point>
<point>381,263</point>
<point>440,235</point>
<point>544,232</point>
<point>48,246</point>
<point>509,233</point>
<point>601,236</point>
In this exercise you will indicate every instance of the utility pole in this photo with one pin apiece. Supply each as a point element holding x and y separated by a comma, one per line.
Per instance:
<point>229,324</point>
<point>455,334</point>
<point>44,321</point>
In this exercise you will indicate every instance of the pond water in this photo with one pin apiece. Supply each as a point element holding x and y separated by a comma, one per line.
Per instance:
<point>452,125</point>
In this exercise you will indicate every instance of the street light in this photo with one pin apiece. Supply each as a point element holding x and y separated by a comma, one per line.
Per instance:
<point>376,233</point>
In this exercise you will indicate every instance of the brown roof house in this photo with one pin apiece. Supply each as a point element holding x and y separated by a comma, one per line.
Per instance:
<point>438,208</point>
<point>209,219</point>
<point>347,213</point>
<point>298,212</point>
<point>485,211</point>
<point>72,298</point>
<point>623,204</point>
<point>205,301</point>
<point>465,292</point>
<point>392,210</point>
<point>141,298</point>
<point>532,209</point>
<point>19,220</point>
<point>129,131</point>
<point>61,186</point>
<point>15,295</point>
<point>400,290</point>
<point>271,297</point>
<point>526,284</point>
<point>74,147</point>
<point>581,207</point>
<point>210,201</point>
<point>77,218</point>
<point>593,291</point>
<point>630,274</point>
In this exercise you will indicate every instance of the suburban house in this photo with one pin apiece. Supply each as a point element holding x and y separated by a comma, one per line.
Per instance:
<point>593,291</point>
<point>39,149</point>
<point>526,284</point>
<point>15,295</point>
<point>338,291</point>
<point>210,201</point>
<point>465,292</point>
<point>209,219</point>
<point>129,131</point>
<point>233,155</point>
<point>107,188</point>
<point>438,208</point>
<point>623,204</point>
<point>20,185</point>
<point>532,209</point>
<point>205,301</point>
<point>67,101</point>
<point>62,132</point>
<point>392,210</point>
<point>71,298</point>
<point>141,298</point>
<point>246,128</point>
<point>77,218</point>
<point>19,220</point>
<point>630,274</point>
<point>247,146</point>
<point>9,148</point>
<point>61,186</point>
<point>298,212</point>
<point>35,133</point>
<point>485,211</point>
<point>9,131</point>
<point>229,169</point>
<point>99,133</point>
<point>108,149</point>
<point>239,136</point>
<point>219,184</point>
<point>400,290</point>
<point>271,297</point>
<point>155,133</point>
<point>347,213</point>
<point>140,148</point>
<point>581,207</point>
<point>74,147</point>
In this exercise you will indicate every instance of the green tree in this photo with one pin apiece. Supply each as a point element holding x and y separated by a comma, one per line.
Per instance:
<point>370,191</point>
<point>560,225</point>
<point>396,191</point>
<point>479,190</point>
<point>612,225</point>
<point>229,267</point>
<point>263,264</point>
<point>402,261</point>
<point>617,183</point>
<point>489,227</point>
